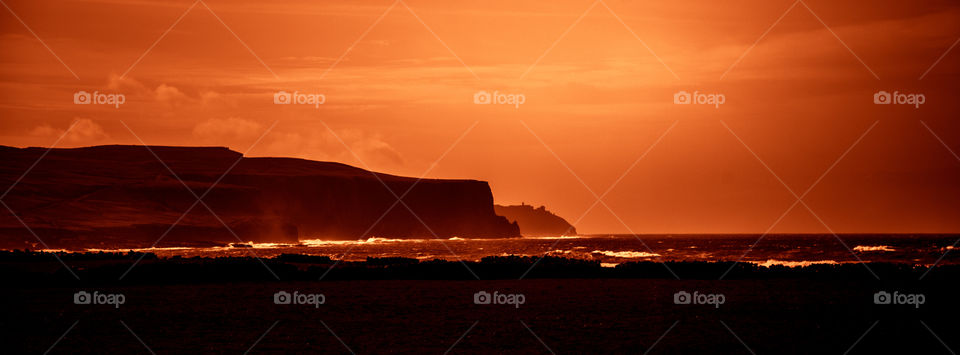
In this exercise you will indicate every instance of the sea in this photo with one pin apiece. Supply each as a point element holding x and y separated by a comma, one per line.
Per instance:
<point>610,250</point>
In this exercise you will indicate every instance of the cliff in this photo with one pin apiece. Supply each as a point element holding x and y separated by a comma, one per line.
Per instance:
<point>122,196</point>
<point>536,221</point>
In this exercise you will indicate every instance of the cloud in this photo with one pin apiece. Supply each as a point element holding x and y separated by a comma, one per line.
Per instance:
<point>169,94</point>
<point>228,130</point>
<point>163,93</point>
<point>208,97</point>
<point>45,130</point>
<point>372,148</point>
<point>125,84</point>
<point>373,151</point>
<point>84,132</point>
<point>308,143</point>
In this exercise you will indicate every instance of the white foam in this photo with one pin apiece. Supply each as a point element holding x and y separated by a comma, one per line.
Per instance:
<point>863,248</point>
<point>772,262</point>
<point>371,240</point>
<point>626,254</point>
<point>554,238</point>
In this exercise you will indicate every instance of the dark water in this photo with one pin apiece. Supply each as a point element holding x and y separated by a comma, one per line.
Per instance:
<point>564,315</point>
<point>609,249</point>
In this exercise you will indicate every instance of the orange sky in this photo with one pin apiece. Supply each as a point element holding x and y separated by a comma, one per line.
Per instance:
<point>594,95</point>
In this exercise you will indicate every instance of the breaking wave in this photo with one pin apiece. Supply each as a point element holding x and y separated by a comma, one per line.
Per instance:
<point>863,248</point>
<point>772,262</point>
<point>627,254</point>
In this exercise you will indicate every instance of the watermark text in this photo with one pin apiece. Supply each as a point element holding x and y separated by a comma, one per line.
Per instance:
<point>484,97</point>
<point>298,98</point>
<point>98,98</point>
<point>113,299</point>
<point>713,299</point>
<point>310,299</point>
<point>683,97</point>
<point>514,299</point>
<point>911,299</point>
<point>898,98</point>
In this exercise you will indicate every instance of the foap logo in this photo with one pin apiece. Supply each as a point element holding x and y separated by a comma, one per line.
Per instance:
<point>113,299</point>
<point>484,97</point>
<point>97,98</point>
<point>484,297</point>
<point>714,299</point>
<point>298,98</point>
<point>311,299</point>
<point>897,98</point>
<point>912,299</point>
<point>683,97</point>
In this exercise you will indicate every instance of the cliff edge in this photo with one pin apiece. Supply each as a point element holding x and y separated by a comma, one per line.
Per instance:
<point>536,222</point>
<point>123,197</point>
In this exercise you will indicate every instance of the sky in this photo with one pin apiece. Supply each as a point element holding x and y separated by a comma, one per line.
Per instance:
<point>795,81</point>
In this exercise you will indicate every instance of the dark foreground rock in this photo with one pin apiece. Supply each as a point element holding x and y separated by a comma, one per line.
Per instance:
<point>566,316</point>
<point>401,305</point>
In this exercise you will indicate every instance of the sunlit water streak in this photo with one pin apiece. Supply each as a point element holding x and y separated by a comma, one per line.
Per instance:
<point>790,250</point>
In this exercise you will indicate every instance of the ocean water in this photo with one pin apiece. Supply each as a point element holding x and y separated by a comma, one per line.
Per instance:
<point>806,249</point>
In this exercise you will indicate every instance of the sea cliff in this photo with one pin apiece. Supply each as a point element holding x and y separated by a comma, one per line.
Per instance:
<point>123,196</point>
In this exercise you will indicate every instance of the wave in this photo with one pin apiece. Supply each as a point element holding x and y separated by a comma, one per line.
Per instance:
<point>122,250</point>
<point>864,248</point>
<point>627,254</point>
<point>772,262</point>
<point>62,250</point>
<point>371,240</point>
<point>376,240</point>
<point>560,237</point>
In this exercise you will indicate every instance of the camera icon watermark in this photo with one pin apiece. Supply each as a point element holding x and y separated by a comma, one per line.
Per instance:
<point>97,98</point>
<point>298,98</point>
<point>910,299</point>
<point>713,299</point>
<point>484,97</point>
<point>310,299</point>
<point>97,298</point>
<point>897,98</point>
<point>514,299</point>
<point>683,97</point>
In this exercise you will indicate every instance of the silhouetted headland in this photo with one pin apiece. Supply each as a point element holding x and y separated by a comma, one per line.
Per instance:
<point>124,197</point>
<point>536,222</point>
